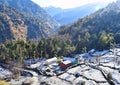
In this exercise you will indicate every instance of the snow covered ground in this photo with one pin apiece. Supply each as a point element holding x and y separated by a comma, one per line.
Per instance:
<point>115,73</point>
<point>89,72</point>
<point>4,73</point>
<point>67,77</point>
<point>88,82</point>
<point>91,75</point>
<point>54,81</point>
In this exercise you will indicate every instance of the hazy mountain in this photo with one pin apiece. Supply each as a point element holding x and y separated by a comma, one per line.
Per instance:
<point>25,20</point>
<point>103,25</point>
<point>53,10</point>
<point>66,16</point>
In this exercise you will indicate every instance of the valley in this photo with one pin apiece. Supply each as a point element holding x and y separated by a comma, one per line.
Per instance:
<point>55,46</point>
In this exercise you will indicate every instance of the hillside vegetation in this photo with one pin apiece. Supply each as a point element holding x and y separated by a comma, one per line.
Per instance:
<point>99,30</point>
<point>19,21</point>
<point>46,48</point>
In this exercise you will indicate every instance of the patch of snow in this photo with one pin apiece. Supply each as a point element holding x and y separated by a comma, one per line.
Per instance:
<point>94,74</point>
<point>54,65</point>
<point>111,64</point>
<point>31,61</point>
<point>115,73</point>
<point>56,81</point>
<point>5,73</point>
<point>67,77</point>
<point>100,53</point>
<point>87,82</point>
<point>74,70</point>
<point>35,65</point>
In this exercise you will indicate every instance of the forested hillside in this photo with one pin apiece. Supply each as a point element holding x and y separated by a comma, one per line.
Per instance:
<point>19,21</point>
<point>98,30</point>
<point>46,48</point>
<point>32,9</point>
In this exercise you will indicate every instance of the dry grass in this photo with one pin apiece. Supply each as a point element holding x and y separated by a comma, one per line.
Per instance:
<point>3,83</point>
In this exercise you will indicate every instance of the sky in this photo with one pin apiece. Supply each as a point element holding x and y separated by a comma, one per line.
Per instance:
<point>65,4</point>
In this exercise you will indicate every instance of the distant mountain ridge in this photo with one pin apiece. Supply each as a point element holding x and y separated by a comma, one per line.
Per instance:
<point>100,27</point>
<point>105,18</point>
<point>67,16</point>
<point>23,19</point>
<point>53,10</point>
<point>29,7</point>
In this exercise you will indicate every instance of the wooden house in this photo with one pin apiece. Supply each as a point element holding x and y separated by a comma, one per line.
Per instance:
<point>65,64</point>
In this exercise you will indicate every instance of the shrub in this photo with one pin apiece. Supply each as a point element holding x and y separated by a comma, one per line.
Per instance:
<point>109,77</point>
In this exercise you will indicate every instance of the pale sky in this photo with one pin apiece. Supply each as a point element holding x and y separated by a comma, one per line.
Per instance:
<point>68,3</point>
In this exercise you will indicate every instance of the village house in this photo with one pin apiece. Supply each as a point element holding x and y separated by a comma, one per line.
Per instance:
<point>65,64</point>
<point>73,60</point>
<point>51,61</point>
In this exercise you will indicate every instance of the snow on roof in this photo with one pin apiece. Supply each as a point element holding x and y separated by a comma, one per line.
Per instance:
<point>91,51</point>
<point>100,53</point>
<point>81,55</point>
<point>51,60</point>
<point>53,66</point>
<point>42,67</point>
<point>68,58</point>
<point>35,65</point>
<point>66,62</point>
<point>118,54</point>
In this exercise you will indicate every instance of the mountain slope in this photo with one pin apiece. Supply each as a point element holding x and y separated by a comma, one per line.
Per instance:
<point>29,7</point>
<point>100,27</point>
<point>67,16</point>
<point>19,20</point>
<point>15,25</point>
<point>53,10</point>
<point>11,24</point>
